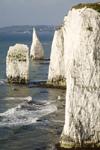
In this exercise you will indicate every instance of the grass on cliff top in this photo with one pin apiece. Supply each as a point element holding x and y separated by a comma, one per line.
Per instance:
<point>95,6</point>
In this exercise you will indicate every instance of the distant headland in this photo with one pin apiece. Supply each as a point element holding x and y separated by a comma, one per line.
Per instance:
<point>41,29</point>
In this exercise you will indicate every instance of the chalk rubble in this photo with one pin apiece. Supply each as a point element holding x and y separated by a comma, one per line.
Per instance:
<point>36,51</point>
<point>17,64</point>
<point>81,40</point>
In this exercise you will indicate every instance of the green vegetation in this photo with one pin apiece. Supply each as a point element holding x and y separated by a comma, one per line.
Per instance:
<point>95,6</point>
<point>60,84</point>
<point>90,29</point>
<point>19,55</point>
<point>23,60</point>
<point>70,145</point>
<point>60,27</point>
<point>17,80</point>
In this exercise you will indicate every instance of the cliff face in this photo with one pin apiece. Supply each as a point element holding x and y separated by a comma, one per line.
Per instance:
<point>80,49</point>
<point>36,51</point>
<point>65,38</point>
<point>17,64</point>
<point>63,41</point>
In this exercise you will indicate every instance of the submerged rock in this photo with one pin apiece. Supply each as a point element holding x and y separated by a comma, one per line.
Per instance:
<point>36,51</point>
<point>17,64</point>
<point>82,65</point>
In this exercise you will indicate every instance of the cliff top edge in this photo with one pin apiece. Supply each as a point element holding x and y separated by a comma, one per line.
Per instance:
<point>95,6</point>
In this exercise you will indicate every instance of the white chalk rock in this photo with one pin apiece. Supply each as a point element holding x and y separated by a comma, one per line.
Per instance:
<point>36,51</point>
<point>82,63</point>
<point>60,52</point>
<point>17,64</point>
<point>57,66</point>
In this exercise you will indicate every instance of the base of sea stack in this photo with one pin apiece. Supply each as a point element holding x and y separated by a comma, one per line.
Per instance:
<point>61,85</point>
<point>17,80</point>
<point>36,58</point>
<point>66,142</point>
<point>78,145</point>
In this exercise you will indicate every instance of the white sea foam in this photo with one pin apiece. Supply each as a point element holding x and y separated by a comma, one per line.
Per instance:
<point>59,97</point>
<point>45,43</point>
<point>28,98</point>
<point>58,121</point>
<point>2,82</point>
<point>25,114</point>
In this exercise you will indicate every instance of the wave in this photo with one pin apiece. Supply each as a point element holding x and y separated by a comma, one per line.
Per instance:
<point>28,98</point>
<point>45,43</point>
<point>25,114</point>
<point>3,81</point>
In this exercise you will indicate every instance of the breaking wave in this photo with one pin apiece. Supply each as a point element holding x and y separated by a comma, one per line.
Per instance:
<point>29,98</point>
<point>3,81</point>
<point>26,113</point>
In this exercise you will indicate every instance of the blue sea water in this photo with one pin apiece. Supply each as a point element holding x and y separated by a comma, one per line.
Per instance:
<point>31,118</point>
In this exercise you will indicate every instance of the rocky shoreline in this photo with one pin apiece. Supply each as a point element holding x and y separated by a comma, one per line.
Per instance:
<point>57,146</point>
<point>50,85</point>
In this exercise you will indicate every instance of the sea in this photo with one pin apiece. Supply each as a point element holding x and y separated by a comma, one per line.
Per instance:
<point>31,117</point>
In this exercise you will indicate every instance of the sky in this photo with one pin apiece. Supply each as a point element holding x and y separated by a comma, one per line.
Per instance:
<point>35,12</point>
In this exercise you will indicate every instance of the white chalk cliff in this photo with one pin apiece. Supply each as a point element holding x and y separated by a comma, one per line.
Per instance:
<point>75,56</point>
<point>60,52</point>
<point>17,64</point>
<point>36,51</point>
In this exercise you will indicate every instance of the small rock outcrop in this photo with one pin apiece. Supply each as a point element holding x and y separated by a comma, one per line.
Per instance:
<point>17,64</point>
<point>80,50</point>
<point>36,51</point>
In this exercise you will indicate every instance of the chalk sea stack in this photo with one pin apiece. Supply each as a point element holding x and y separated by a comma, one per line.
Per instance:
<point>57,73</point>
<point>17,64</point>
<point>36,51</point>
<point>76,44</point>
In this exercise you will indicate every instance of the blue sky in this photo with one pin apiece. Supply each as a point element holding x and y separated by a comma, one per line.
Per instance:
<point>35,12</point>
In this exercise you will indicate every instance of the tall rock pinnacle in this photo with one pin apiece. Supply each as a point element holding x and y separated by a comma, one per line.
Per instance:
<point>36,51</point>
